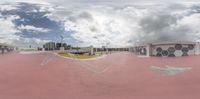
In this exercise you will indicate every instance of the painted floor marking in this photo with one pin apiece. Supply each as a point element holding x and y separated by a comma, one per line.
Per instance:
<point>98,69</point>
<point>46,60</point>
<point>170,70</point>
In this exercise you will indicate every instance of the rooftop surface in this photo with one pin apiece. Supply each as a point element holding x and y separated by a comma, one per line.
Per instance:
<point>117,76</point>
<point>167,43</point>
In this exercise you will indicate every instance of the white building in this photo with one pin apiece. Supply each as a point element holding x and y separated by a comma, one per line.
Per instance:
<point>5,48</point>
<point>169,49</point>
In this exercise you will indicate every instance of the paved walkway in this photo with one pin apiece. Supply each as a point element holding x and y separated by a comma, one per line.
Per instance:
<point>116,76</point>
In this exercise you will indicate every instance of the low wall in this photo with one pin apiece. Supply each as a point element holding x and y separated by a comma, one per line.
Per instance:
<point>173,50</point>
<point>168,49</point>
<point>5,49</point>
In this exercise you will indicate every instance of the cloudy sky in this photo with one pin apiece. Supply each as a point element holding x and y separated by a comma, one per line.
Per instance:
<point>115,23</point>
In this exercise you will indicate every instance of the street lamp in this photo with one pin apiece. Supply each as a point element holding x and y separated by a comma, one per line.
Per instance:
<point>108,43</point>
<point>61,40</point>
<point>61,46</point>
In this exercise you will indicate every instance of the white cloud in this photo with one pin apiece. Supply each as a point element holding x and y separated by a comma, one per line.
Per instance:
<point>123,25</point>
<point>33,29</point>
<point>7,7</point>
<point>8,29</point>
<point>7,26</point>
<point>191,23</point>
<point>99,25</point>
<point>28,1</point>
<point>26,42</point>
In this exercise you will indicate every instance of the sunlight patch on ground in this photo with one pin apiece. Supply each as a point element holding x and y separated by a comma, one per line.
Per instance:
<point>143,56</point>
<point>78,56</point>
<point>170,70</point>
<point>30,52</point>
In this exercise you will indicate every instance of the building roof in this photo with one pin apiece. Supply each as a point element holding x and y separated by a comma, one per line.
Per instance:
<point>165,43</point>
<point>176,42</point>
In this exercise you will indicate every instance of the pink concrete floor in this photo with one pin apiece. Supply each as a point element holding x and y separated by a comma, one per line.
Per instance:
<point>117,76</point>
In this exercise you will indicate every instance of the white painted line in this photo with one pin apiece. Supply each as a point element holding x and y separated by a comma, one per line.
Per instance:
<point>169,70</point>
<point>142,56</point>
<point>46,60</point>
<point>85,65</point>
<point>30,52</point>
<point>89,66</point>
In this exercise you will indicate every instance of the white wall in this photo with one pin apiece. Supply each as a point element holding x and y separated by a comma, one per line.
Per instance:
<point>197,48</point>
<point>176,53</point>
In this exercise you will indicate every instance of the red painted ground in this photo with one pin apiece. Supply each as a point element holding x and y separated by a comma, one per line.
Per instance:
<point>117,76</point>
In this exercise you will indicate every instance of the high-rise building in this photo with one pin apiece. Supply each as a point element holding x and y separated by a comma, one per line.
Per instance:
<point>55,46</point>
<point>49,46</point>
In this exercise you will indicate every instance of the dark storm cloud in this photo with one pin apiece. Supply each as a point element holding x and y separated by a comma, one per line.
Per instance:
<point>85,15</point>
<point>162,25</point>
<point>93,29</point>
<point>81,15</point>
<point>155,23</point>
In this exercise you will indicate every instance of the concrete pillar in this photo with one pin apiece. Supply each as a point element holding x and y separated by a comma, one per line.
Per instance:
<point>91,50</point>
<point>129,49</point>
<point>96,49</point>
<point>62,49</point>
<point>1,47</point>
<point>2,50</point>
<point>197,48</point>
<point>106,50</point>
<point>149,50</point>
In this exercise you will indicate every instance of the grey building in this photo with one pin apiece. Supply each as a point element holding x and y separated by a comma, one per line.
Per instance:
<point>55,46</point>
<point>49,46</point>
<point>4,48</point>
